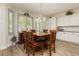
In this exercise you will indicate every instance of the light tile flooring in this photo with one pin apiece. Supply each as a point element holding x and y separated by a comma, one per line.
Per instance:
<point>62,49</point>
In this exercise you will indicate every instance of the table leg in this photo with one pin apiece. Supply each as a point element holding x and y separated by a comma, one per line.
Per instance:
<point>54,42</point>
<point>50,45</point>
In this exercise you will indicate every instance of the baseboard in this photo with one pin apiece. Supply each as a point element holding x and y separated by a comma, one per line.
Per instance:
<point>68,42</point>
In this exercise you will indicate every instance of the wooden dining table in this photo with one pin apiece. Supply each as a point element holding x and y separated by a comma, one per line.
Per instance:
<point>49,36</point>
<point>45,35</point>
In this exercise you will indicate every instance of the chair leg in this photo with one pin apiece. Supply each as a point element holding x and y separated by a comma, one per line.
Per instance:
<point>54,50</point>
<point>49,50</point>
<point>33,51</point>
<point>28,52</point>
<point>28,48</point>
<point>42,48</point>
<point>24,46</point>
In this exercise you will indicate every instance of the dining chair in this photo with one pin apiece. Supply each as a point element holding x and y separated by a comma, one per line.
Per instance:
<point>25,40</point>
<point>33,30</point>
<point>20,38</point>
<point>45,30</point>
<point>46,38</point>
<point>32,44</point>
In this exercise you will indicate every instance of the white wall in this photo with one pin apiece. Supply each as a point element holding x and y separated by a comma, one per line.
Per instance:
<point>2,26</point>
<point>16,12</point>
<point>8,36</point>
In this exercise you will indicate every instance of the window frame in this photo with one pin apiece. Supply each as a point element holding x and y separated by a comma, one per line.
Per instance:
<point>10,33</point>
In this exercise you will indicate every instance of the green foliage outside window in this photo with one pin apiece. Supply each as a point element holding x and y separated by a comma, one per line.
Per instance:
<point>29,22</point>
<point>24,23</point>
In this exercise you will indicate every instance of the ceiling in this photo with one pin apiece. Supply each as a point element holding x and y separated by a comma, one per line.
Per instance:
<point>46,8</point>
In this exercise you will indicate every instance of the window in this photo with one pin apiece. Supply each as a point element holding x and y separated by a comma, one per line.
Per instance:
<point>21,23</point>
<point>24,23</point>
<point>29,23</point>
<point>39,24</point>
<point>36,24</point>
<point>11,21</point>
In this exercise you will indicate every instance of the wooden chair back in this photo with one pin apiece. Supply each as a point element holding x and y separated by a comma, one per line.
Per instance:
<point>33,30</point>
<point>25,40</point>
<point>45,30</point>
<point>21,40</point>
<point>30,37</point>
<point>24,35</point>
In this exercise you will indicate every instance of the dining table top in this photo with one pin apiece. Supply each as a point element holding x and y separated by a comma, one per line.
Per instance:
<point>41,34</point>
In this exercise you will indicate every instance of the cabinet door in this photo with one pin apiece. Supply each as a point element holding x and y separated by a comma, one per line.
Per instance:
<point>63,21</point>
<point>66,21</point>
<point>59,21</point>
<point>51,23</point>
<point>68,36</point>
<point>64,35</point>
<point>71,37</point>
<point>74,20</point>
<point>71,20</point>
<point>75,37</point>
<point>59,35</point>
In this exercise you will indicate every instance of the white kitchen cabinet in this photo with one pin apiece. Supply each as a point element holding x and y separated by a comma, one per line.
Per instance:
<point>59,35</point>
<point>74,20</point>
<point>75,37</point>
<point>59,21</point>
<point>68,36</point>
<point>70,20</point>
<point>66,21</point>
<point>64,36</point>
<point>63,21</point>
<point>51,23</point>
<point>77,20</point>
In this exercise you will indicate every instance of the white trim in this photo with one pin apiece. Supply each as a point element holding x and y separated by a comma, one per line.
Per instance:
<point>10,33</point>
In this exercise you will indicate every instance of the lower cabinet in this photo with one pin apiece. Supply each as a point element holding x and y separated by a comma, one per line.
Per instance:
<point>68,36</point>
<point>59,35</point>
